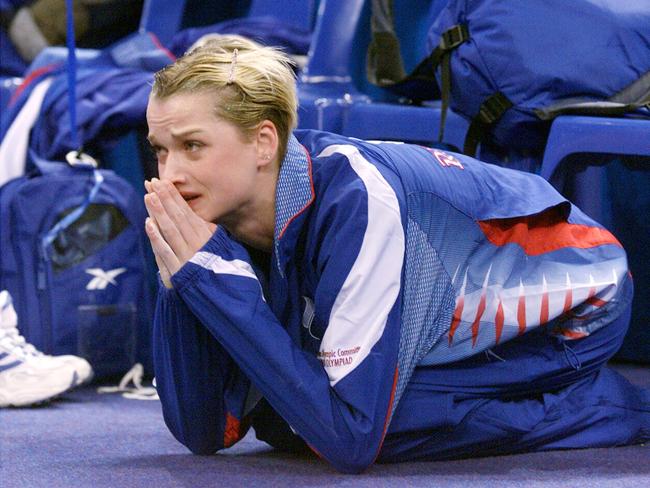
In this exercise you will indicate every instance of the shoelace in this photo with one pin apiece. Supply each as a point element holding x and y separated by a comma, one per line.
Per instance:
<point>135,392</point>
<point>11,339</point>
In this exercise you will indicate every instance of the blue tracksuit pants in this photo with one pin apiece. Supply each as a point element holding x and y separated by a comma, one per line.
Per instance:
<point>533,393</point>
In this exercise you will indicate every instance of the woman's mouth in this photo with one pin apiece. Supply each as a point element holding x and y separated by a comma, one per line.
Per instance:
<point>190,199</point>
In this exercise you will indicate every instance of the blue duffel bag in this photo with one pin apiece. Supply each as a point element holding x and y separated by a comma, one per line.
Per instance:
<point>511,67</point>
<point>74,259</point>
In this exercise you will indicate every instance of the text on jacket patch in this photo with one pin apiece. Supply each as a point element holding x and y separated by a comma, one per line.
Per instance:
<point>337,357</point>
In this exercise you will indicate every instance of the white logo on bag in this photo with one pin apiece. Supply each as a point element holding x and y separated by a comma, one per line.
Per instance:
<point>103,278</point>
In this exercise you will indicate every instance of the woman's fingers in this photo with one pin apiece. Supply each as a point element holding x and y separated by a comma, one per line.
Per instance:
<point>193,230</point>
<point>167,261</point>
<point>166,226</point>
<point>173,227</point>
<point>166,258</point>
<point>200,233</point>
<point>149,189</point>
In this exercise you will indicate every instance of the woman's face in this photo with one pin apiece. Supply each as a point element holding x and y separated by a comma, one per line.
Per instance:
<point>207,159</point>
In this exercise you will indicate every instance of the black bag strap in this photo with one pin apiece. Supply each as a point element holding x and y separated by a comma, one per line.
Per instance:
<point>491,110</point>
<point>636,93</point>
<point>385,66</point>
<point>450,40</point>
<point>634,96</point>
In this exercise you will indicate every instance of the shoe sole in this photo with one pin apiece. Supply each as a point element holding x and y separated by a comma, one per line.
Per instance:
<point>32,398</point>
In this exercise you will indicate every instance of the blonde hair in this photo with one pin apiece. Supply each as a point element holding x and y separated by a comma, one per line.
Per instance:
<point>251,82</point>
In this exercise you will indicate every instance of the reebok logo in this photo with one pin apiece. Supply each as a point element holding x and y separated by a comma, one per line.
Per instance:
<point>103,278</point>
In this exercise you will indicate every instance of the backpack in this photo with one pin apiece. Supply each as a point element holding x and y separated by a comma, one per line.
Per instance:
<point>511,67</point>
<point>73,258</point>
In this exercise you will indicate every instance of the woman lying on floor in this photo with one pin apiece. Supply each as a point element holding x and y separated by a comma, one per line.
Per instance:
<point>369,301</point>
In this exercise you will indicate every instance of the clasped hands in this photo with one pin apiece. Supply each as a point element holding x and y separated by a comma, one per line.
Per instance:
<point>176,233</point>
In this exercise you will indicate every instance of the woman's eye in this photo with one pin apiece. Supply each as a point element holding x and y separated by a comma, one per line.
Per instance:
<point>192,145</point>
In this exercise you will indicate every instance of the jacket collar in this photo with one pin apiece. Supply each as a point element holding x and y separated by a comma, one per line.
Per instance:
<point>293,195</point>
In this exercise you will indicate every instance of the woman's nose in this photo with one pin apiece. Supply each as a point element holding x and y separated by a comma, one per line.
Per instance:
<point>172,170</point>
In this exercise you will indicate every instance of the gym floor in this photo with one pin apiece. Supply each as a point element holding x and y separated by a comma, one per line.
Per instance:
<point>85,439</point>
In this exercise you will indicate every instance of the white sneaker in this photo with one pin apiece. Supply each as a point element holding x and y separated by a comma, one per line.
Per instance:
<point>9,323</point>
<point>83,371</point>
<point>28,376</point>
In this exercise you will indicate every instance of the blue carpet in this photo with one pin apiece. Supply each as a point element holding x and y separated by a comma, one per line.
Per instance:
<point>89,440</point>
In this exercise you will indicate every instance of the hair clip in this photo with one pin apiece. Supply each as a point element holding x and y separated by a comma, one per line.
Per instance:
<point>233,63</point>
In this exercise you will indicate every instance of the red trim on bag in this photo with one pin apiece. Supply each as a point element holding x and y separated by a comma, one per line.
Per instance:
<point>30,78</point>
<point>159,45</point>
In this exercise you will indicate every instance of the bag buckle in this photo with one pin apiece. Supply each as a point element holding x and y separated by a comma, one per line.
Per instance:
<point>493,108</point>
<point>454,37</point>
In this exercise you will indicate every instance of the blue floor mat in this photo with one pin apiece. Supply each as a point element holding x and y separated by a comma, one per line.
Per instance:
<point>89,440</point>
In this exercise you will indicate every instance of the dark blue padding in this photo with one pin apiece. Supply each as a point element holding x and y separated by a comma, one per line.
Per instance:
<point>325,87</point>
<point>165,17</point>
<point>162,17</point>
<point>297,13</point>
<point>581,134</point>
<point>332,50</point>
<point>616,194</point>
<point>385,121</point>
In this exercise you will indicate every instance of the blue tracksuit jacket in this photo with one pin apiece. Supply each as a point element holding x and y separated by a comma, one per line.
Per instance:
<point>391,263</point>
